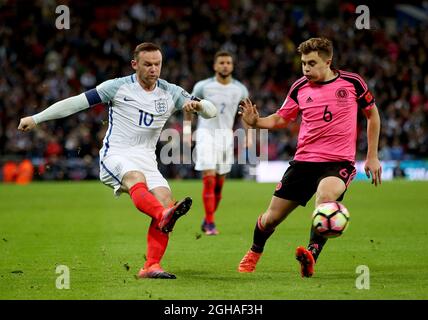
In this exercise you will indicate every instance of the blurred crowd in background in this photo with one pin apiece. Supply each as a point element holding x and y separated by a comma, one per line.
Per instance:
<point>41,65</point>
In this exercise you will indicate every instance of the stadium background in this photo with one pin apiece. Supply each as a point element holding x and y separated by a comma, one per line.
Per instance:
<point>41,65</point>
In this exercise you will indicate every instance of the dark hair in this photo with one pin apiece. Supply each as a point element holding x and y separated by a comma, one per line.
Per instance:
<point>222,53</point>
<point>323,46</point>
<point>145,46</point>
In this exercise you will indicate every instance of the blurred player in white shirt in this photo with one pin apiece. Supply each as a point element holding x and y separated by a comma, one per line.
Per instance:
<point>139,106</point>
<point>214,137</point>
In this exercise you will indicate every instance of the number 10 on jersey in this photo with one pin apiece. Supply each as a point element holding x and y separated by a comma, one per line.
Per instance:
<point>146,118</point>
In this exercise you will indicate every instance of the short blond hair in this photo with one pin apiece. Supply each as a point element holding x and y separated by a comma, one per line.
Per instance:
<point>323,46</point>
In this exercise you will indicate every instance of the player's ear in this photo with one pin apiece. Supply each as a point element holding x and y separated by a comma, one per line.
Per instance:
<point>134,64</point>
<point>215,64</point>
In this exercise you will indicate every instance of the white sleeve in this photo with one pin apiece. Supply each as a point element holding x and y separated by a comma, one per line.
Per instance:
<point>245,93</point>
<point>62,108</point>
<point>198,90</point>
<point>180,97</point>
<point>208,110</point>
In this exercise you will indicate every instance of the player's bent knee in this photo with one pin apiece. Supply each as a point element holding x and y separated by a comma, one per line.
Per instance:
<point>207,173</point>
<point>164,196</point>
<point>329,189</point>
<point>131,178</point>
<point>327,196</point>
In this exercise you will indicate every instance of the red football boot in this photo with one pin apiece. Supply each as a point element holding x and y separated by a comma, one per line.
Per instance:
<point>155,272</point>
<point>307,262</point>
<point>249,261</point>
<point>171,215</point>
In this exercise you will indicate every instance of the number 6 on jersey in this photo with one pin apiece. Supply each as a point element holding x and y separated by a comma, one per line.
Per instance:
<point>327,116</point>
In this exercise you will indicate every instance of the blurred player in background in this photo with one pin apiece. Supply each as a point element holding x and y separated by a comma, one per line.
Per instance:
<point>140,104</point>
<point>328,101</point>
<point>214,137</point>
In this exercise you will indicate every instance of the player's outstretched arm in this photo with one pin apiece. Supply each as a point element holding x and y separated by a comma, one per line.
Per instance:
<point>58,110</point>
<point>372,166</point>
<point>203,107</point>
<point>250,115</point>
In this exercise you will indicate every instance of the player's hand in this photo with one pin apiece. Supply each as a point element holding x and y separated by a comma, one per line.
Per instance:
<point>192,106</point>
<point>249,112</point>
<point>26,124</point>
<point>373,168</point>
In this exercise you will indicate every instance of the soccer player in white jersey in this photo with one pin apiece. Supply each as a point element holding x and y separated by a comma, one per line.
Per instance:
<point>139,106</point>
<point>214,137</point>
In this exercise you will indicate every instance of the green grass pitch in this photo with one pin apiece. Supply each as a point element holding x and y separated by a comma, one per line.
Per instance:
<point>103,240</point>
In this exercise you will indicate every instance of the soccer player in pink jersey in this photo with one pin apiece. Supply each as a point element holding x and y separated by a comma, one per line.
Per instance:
<point>328,101</point>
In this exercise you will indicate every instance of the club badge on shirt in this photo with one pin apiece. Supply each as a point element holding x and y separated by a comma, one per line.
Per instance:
<point>341,93</point>
<point>161,106</point>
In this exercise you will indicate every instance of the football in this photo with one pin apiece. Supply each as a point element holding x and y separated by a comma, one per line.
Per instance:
<point>330,219</point>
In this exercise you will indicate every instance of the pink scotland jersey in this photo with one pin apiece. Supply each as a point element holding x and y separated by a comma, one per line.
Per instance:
<point>328,131</point>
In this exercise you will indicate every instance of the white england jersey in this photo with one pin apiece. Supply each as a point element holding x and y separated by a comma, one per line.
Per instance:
<point>226,98</point>
<point>136,117</point>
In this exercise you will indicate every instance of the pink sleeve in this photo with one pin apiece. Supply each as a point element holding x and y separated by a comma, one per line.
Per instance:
<point>289,109</point>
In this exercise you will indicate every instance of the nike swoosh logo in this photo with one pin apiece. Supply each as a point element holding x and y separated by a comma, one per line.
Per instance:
<point>126,99</point>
